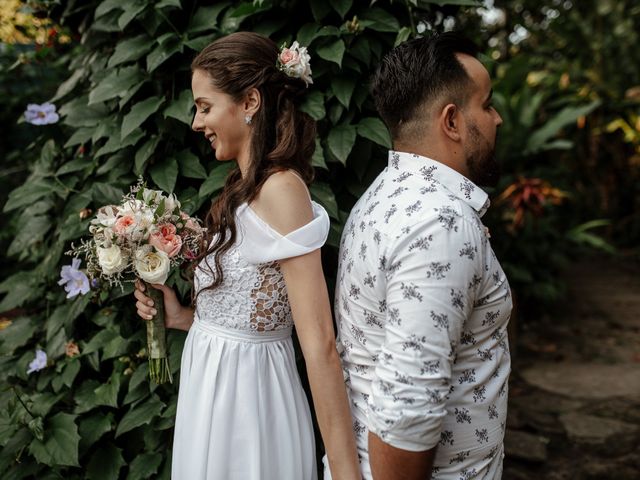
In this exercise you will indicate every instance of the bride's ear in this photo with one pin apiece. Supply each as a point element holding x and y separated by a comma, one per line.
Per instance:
<point>252,102</point>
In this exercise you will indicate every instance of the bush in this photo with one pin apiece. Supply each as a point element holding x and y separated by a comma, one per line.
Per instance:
<point>126,109</point>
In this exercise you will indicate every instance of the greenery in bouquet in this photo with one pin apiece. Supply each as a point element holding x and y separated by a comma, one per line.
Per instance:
<point>144,237</point>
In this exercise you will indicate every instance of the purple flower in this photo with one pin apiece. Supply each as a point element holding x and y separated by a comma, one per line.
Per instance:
<point>74,280</point>
<point>39,362</point>
<point>41,114</point>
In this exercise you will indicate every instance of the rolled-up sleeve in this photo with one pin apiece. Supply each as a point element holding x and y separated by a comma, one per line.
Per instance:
<point>432,273</point>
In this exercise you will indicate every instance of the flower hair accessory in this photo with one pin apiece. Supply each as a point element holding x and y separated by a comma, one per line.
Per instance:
<point>294,62</point>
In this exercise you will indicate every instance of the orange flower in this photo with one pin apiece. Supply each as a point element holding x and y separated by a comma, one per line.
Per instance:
<point>530,195</point>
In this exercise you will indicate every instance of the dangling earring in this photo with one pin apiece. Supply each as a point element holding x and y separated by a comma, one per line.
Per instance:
<point>247,119</point>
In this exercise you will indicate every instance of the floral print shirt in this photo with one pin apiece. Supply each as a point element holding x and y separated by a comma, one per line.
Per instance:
<point>422,307</point>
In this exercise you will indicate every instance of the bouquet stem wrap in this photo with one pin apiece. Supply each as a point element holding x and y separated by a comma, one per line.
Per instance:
<point>159,370</point>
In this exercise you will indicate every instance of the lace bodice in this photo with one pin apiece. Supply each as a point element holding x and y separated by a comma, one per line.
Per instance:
<point>253,296</point>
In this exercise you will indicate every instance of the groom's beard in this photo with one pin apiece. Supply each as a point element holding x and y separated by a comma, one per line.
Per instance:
<point>481,161</point>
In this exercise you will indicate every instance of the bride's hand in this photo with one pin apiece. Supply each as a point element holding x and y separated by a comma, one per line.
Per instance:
<point>175,315</point>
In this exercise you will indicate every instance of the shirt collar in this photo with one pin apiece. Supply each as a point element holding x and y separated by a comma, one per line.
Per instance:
<point>433,171</point>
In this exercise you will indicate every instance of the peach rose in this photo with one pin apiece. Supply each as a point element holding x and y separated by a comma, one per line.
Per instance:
<point>123,224</point>
<point>165,240</point>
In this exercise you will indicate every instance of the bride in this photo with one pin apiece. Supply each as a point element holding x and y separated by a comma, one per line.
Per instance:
<point>242,413</point>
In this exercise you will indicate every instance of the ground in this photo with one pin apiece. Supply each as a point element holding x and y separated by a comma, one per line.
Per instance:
<point>574,410</point>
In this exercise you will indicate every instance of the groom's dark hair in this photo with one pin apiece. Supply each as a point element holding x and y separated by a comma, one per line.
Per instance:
<point>420,72</point>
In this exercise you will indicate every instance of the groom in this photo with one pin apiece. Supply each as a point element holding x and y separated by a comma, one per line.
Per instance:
<point>422,303</point>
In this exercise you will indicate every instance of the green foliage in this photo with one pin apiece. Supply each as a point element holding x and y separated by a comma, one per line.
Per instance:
<point>126,108</point>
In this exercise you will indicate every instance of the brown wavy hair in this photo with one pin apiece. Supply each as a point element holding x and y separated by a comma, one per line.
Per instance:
<point>282,136</point>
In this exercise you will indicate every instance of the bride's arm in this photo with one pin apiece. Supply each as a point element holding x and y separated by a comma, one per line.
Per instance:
<point>284,204</point>
<point>311,310</point>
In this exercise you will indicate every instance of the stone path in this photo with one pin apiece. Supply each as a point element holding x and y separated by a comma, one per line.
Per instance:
<point>574,411</point>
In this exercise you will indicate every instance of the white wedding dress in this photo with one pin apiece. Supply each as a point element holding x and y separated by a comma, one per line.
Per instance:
<point>242,413</point>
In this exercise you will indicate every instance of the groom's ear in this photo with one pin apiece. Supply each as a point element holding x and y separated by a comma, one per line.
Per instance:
<point>449,122</point>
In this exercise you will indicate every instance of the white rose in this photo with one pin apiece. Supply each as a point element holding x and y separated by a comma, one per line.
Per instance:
<point>111,260</point>
<point>151,196</point>
<point>304,67</point>
<point>171,203</point>
<point>144,223</point>
<point>106,216</point>
<point>152,266</point>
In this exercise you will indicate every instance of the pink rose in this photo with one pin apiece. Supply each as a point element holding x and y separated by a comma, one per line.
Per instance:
<point>123,224</point>
<point>189,223</point>
<point>289,57</point>
<point>167,229</point>
<point>165,240</point>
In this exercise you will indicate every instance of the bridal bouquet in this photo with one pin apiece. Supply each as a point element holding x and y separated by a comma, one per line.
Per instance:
<point>144,237</point>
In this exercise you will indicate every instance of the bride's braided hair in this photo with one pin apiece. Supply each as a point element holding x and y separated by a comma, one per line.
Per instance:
<point>283,137</point>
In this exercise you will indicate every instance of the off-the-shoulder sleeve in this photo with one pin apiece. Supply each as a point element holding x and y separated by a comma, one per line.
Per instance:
<point>260,243</point>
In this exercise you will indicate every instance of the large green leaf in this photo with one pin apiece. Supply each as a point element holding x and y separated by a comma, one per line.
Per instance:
<point>70,371</point>
<point>324,195</point>
<point>181,108</point>
<point>30,232</point>
<point>314,105</point>
<point>332,51</point>
<point>130,49</point>
<point>116,84</point>
<point>77,113</point>
<point>24,286</point>
<point>340,141</point>
<point>29,192</point>
<point>69,84</point>
<point>342,88</point>
<point>552,127</point>
<point>341,6</point>
<point>138,114</point>
<point>403,35</point>
<point>206,18</point>
<point>144,466</point>
<point>106,6</point>
<point>132,9</point>
<point>190,165</point>
<point>163,51</point>
<point>114,144</point>
<point>165,174</point>
<point>379,20</point>
<point>140,415</point>
<point>320,9</point>
<point>144,153</point>
<point>318,156</point>
<point>198,43</point>
<point>17,334</point>
<point>105,194</point>
<point>98,341</point>
<point>215,180</point>
<point>107,393</point>
<point>168,3</point>
<point>307,33</point>
<point>375,130</point>
<point>105,463</point>
<point>92,427</point>
<point>60,445</point>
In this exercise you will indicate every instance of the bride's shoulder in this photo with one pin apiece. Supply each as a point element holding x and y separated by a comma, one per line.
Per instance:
<point>283,202</point>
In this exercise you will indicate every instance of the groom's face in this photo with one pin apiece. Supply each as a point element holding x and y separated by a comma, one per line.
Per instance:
<point>481,122</point>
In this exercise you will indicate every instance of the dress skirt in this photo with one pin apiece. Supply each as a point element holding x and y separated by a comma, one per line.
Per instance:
<point>242,413</point>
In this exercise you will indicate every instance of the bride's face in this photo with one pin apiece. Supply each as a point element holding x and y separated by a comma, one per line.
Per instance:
<point>219,118</point>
